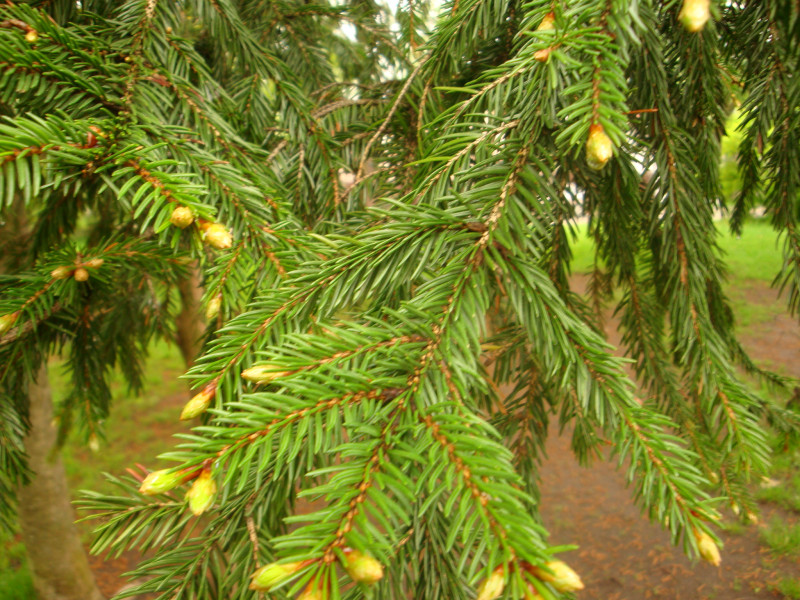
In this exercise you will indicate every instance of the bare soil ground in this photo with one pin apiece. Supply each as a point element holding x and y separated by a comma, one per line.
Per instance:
<point>109,572</point>
<point>621,555</point>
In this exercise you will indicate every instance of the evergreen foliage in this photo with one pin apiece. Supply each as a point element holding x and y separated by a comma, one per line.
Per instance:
<point>383,212</point>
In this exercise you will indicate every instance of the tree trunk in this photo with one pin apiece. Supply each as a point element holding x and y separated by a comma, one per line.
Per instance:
<point>189,323</point>
<point>57,558</point>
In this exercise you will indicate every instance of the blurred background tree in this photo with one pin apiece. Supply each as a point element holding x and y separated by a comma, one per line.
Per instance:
<point>378,207</point>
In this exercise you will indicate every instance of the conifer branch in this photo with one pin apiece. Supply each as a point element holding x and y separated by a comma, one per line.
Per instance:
<point>365,153</point>
<point>395,341</point>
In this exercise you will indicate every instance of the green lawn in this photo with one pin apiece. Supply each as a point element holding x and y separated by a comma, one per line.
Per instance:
<point>781,538</point>
<point>15,580</point>
<point>753,259</point>
<point>137,431</point>
<point>755,255</point>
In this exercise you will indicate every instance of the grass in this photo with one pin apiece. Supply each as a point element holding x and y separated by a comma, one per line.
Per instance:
<point>754,256</point>
<point>786,495</point>
<point>137,427</point>
<point>16,584</point>
<point>786,470</point>
<point>137,430</point>
<point>752,260</point>
<point>15,578</point>
<point>582,247</point>
<point>780,537</point>
<point>733,527</point>
<point>789,587</point>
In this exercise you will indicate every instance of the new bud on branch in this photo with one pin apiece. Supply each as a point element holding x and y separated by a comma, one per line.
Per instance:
<point>199,403</point>
<point>560,575</point>
<point>695,14</point>
<point>212,310</point>
<point>201,494</point>
<point>599,148</point>
<point>61,272</point>
<point>273,574</point>
<point>217,236</point>
<point>363,568</point>
<point>263,374</point>
<point>707,547</point>
<point>547,24</point>
<point>182,217</point>
<point>159,482</point>
<point>7,321</point>
<point>81,274</point>
<point>492,586</point>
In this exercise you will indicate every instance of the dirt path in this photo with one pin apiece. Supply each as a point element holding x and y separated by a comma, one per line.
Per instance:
<point>622,556</point>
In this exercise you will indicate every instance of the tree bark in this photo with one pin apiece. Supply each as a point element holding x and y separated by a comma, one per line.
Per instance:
<point>189,323</point>
<point>58,560</point>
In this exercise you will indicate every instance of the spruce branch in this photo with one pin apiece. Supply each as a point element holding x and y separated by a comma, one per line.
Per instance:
<point>388,223</point>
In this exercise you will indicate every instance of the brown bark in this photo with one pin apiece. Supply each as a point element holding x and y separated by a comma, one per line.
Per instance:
<point>190,324</point>
<point>58,560</point>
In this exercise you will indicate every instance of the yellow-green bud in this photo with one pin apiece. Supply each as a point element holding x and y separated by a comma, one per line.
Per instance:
<point>560,575</point>
<point>81,274</point>
<point>548,22</point>
<point>32,36</point>
<point>159,482</point>
<point>7,322</point>
<point>198,404</point>
<point>263,374</point>
<point>212,309</point>
<point>599,148</point>
<point>61,272</point>
<point>695,14</point>
<point>492,586</point>
<point>94,263</point>
<point>182,217</point>
<point>217,236</point>
<point>363,568</point>
<point>273,574</point>
<point>201,494</point>
<point>707,547</point>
